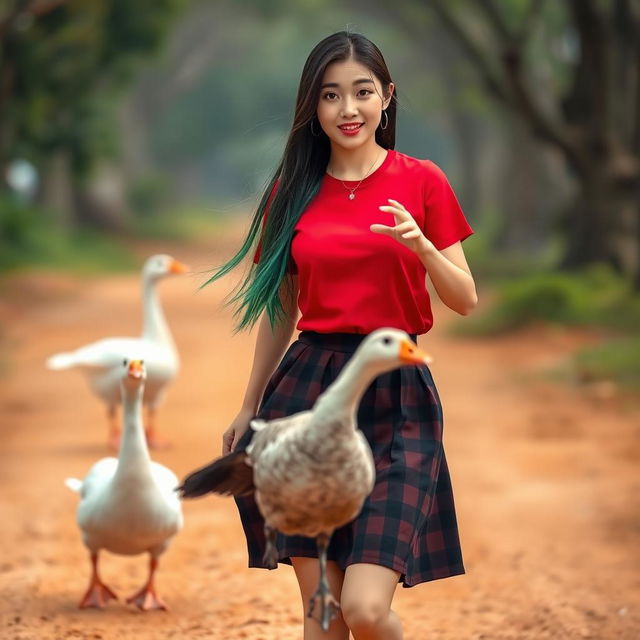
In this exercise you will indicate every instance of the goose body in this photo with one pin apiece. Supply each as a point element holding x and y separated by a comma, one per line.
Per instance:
<point>101,361</point>
<point>128,513</point>
<point>312,471</point>
<point>128,505</point>
<point>310,478</point>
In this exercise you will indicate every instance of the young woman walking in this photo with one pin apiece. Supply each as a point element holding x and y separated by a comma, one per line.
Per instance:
<point>347,230</point>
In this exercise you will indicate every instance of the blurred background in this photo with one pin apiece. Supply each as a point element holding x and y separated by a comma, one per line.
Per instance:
<point>157,119</point>
<point>134,128</point>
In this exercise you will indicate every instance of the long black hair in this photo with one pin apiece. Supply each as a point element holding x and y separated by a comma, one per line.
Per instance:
<point>297,178</point>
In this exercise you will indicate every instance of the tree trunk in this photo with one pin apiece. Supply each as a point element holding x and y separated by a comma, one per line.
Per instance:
<point>604,220</point>
<point>56,188</point>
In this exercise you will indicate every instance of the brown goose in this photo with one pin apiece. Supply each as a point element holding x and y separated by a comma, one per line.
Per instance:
<point>311,471</point>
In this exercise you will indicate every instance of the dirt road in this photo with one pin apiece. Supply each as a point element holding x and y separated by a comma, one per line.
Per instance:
<point>545,477</point>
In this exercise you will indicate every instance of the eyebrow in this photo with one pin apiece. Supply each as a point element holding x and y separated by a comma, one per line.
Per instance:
<point>355,82</point>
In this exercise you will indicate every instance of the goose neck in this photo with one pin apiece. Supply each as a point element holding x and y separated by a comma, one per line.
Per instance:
<point>344,394</point>
<point>133,458</point>
<point>154,325</point>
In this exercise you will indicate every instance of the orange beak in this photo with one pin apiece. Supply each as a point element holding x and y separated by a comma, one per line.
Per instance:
<point>178,267</point>
<point>411,354</point>
<point>135,369</point>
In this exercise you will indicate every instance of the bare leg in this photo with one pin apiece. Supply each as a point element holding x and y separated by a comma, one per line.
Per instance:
<point>148,598</point>
<point>270,557</point>
<point>114,428</point>
<point>308,574</point>
<point>328,604</point>
<point>98,594</point>
<point>153,439</point>
<point>367,593</point>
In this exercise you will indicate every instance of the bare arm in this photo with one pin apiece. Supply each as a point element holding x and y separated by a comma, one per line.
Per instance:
<point>451,277</point>
<point>270,347</point>
<point>448,268</point>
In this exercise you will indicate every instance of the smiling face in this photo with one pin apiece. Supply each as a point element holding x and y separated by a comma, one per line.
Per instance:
<point>351,103</point>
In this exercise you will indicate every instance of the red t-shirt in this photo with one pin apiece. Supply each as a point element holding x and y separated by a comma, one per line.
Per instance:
<point>354,280</point>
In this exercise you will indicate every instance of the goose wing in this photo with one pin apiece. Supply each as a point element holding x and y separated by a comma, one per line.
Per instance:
<point>98,476</point>
<point>274,433</point>
<point>102,354</point>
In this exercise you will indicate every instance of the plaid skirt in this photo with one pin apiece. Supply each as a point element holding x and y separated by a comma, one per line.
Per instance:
<point>408,523</point>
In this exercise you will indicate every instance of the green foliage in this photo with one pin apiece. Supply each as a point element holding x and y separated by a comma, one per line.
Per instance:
<point>495,265</point>
<point>149,195</point>
<point>28,237</point>
<point>182,223</point>
<point>64,69</point>
<point>594,297</point>
<point>615,360</point>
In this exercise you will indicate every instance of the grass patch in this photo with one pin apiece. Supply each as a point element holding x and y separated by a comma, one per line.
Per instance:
<point>30,238</point>
<point>186,223</point>
<point>594,297</point>
<point>617,360</point>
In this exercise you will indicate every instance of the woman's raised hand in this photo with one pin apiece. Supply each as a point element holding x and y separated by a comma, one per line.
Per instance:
<point>236,430</point>
<point>406,230</point>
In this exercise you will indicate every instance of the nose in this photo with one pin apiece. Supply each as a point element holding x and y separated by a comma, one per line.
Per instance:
<point>349,107</point>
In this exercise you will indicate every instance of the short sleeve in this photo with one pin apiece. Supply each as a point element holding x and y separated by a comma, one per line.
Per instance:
<point>444,221</point>
<point>291,266</point>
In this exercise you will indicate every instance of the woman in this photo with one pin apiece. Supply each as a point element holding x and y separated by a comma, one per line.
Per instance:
<point>348,229</point>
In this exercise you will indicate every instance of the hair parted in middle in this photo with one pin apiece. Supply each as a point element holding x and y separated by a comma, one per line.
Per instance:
<point>297,179</point>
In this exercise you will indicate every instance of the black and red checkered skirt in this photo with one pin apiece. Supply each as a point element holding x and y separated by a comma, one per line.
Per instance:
<point>408,523</point>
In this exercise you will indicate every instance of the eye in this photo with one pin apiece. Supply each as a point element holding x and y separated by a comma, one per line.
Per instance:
<point>124,362</point>
<point>365,92</point>
<point>141,361</point>
<point>386,341</point>
<point>329,94</point>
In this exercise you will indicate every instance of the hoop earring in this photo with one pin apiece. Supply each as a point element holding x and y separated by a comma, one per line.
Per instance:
<point>386,124</point>
<point>313,133</point>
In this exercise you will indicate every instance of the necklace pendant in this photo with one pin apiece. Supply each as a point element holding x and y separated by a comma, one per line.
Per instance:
<point>352,196</point>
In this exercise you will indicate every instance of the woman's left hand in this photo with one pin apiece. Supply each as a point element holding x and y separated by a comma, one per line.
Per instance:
<point>406,230</point>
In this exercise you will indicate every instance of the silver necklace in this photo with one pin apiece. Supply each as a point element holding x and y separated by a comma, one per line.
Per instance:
<point>352,192</point>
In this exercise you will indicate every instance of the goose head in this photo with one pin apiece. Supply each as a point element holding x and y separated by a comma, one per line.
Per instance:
<point>160,266</point>
<point>134,375</point>
<point>387,349</point>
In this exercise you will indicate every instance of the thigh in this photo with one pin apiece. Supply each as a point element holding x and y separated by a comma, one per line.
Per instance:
<point>308,575</point>
<point>368,586</point>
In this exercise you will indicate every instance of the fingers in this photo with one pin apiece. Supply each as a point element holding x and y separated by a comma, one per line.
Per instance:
<point>383,229</point>
<point>401,229</point>
<point>398,210</point>
<point>227,443</point>
<point>405,225</point>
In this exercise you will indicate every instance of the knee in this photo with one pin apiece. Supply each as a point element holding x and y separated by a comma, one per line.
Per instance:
<point>362,616</point>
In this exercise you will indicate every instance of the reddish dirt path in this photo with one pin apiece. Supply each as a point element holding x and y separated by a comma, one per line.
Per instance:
<point>545,480</point>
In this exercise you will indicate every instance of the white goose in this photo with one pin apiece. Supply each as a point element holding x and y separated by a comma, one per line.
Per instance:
<point>311,471</point>
<point>128,505</point>
<point>101,361</point>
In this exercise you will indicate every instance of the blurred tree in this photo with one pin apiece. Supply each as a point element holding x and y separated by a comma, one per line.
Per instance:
<point>582,97</point>
<point>62,63</point>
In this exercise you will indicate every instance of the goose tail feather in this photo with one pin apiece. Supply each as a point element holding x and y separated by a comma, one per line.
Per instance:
<point>74,484</point>
<point>229,475</point>
<point>61,361</point>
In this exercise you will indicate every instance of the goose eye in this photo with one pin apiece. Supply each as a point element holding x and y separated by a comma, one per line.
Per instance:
<point>124,362</point>
<point>386,340</point>
<point>141,361</point>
